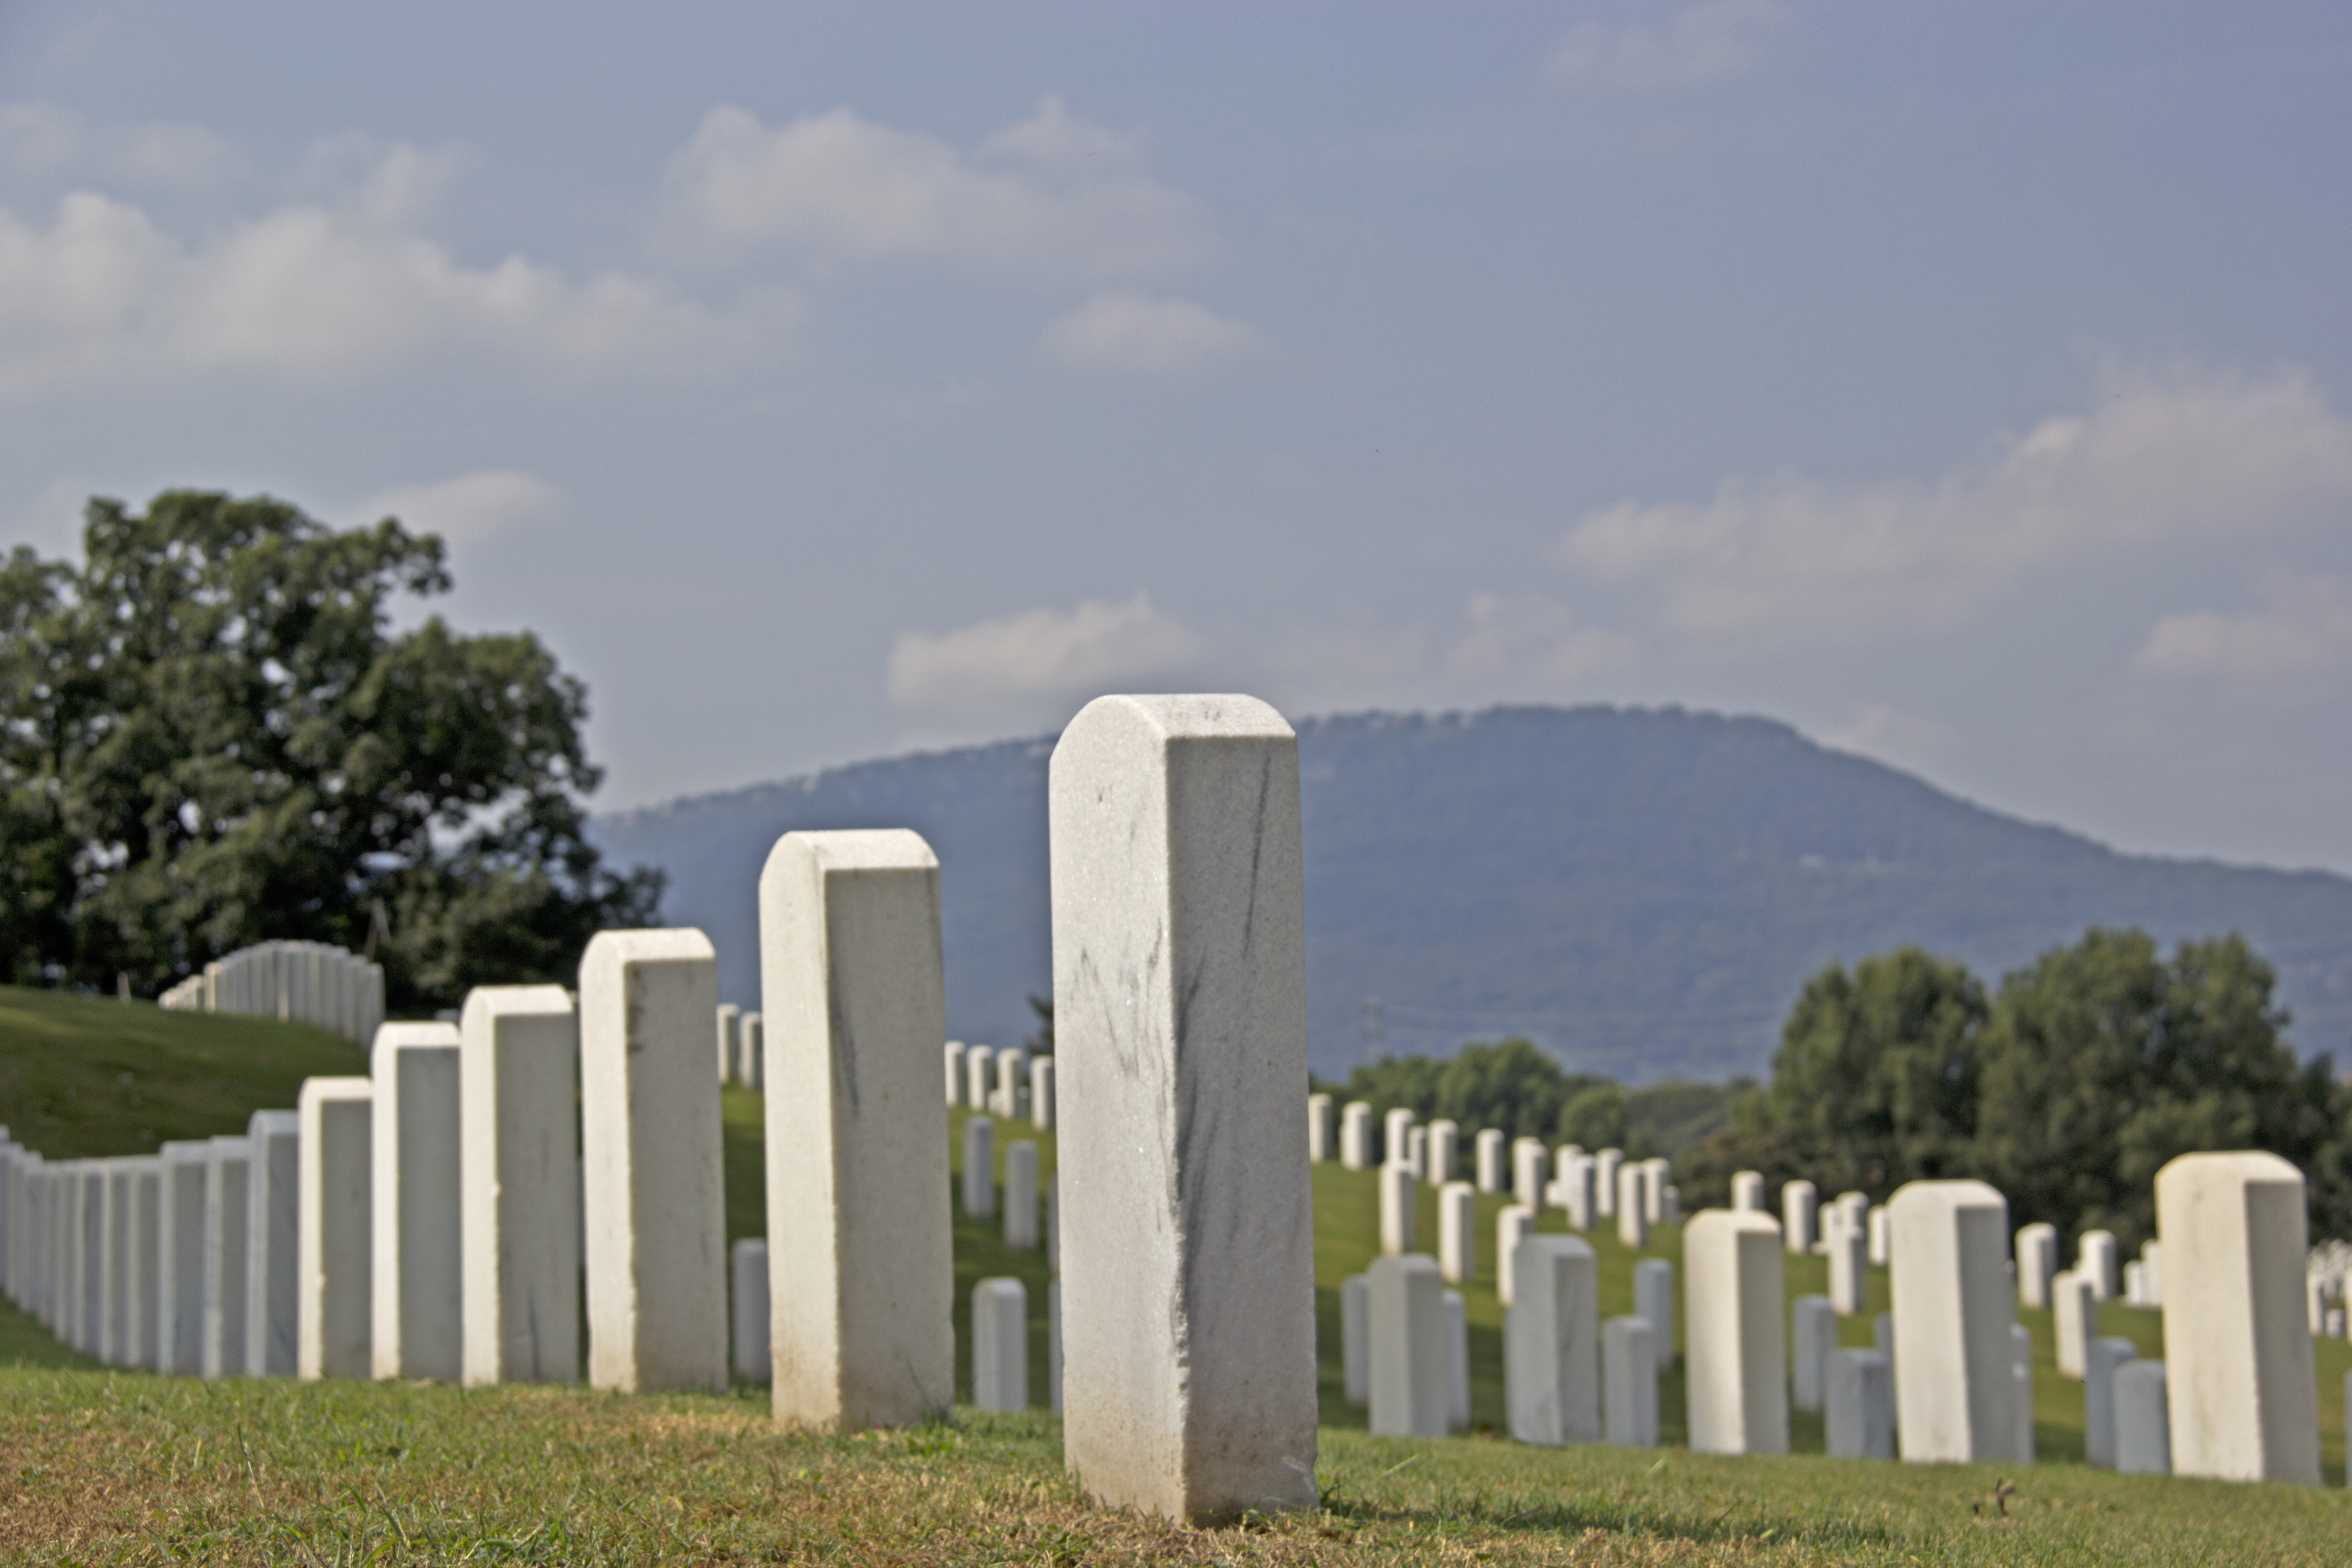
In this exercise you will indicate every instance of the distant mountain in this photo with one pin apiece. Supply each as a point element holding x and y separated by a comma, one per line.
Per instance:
<point>1641,893</point>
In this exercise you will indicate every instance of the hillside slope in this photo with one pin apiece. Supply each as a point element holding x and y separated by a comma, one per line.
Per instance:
<point>1639,891</point>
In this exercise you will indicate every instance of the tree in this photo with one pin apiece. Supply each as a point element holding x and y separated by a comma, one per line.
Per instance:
<point>2102,1061</point>
<point>1509,1086</point>
<point>1875,1080</point>
<point>211,737</point>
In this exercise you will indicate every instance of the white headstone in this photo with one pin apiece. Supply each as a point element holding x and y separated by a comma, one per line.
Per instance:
<point>2095,1260</point>
<point>1457,1232</point>
<point>1734,1335</point>
<point>1953,1306</point>
<point>1011,1081</point>
<point>1355,1135</point>
<point>2143,1424</point>
<point>725,1015</point>
<point>2151,1263</point>
<point>2074,1321</point>
<point>1000,1345</point>
<point>1858,1405</point>
<point>1575,1185</point>
<point>1799,1216</point>
<point>1747,1192</point>
<point>146,1242</point>
<point>334,1301</point>
<point>519,1201</point>
<point>1021,1195</point>
<point>1355,1339</point>
<point>226,1214</point>
<point>418,1325</point>
<point>1604,1182</point>
<point>1443,1154</point>
<point>1654,1173</point>
<point>1812,1335</point>
<point>2037,1263</point>
<point>1513,1225</point>
<point>1041,1093</point>
<point>1653,1298</point>
<point>1633,1209</point>
<point>1180,1006</point>
<point>1406,1315</point>
<point>117,1323</point>
<point>180,1256</point>
<point>1396,1132</point>
<point>1322,1129</point>
<point>751,1031</point>
<point>1457,1361</point>
<point>1491,1154</point>
<point>953,1055</point>
<point>1673,1204</point>
<point>861,1273</point>
<point>2100,1360</point>
<point>1416,1152</point>
<point>1550,1376</point>
<point>2239,1367</point>
<point>2133,1294</point>
<point>2021,1361</point>
<point>272,1276</point>
<point>748,1270</point>
<point>980,1074</point>
<point>978,1168</point>
<point>1054,1344</point>
<point>1399,1200</point>
<point>651,1197</point>
<point>1849,1246</point>
<point>1629,1374</point>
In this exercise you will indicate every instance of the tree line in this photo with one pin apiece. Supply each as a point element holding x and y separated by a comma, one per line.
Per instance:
<point>211,735</point>
<point>2067,1086</point>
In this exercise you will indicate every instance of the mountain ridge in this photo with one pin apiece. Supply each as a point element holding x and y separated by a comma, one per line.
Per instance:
<point>1640,890</point>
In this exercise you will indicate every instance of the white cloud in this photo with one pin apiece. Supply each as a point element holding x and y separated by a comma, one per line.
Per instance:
<point>322,294</point>
<point>1711,41</point>
<point>1040,654</point>
<point>466,506</point>
<point>2162,458</point>
<point>1882,730</point>
<point>1142,334</point>
<point>2303,629</point>
<point>1050,195</point>
<point>1532,639</point>
<point>37,139</point>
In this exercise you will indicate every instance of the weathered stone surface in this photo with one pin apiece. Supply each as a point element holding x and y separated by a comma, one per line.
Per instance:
<point>1859,1405</point>
<point>519,1060</point>
<point>651,1192</point>
<point>1550,1340</point>
<point>1000,1345</point>
<point>1953,1307</point>
<point>1629,1373</point>
<point>1457,1232</point>
<point>273,1273</point>
<point>418,1325</point>
<point>227,1170</point>
<point>1812,1334</point>
<point>747,1271</point>
<point>1180,1028</point>
<point>2238,1358</point>
<point>1405,1312</point>
<point>1735,1334</point>
<point>2037,1263</point>
<point>334,1301</point>
<point>2143,1423</point>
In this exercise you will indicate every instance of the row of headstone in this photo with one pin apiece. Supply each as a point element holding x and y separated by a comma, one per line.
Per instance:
<point>1010,1084</point>
<point>742,1046</point>
<point>298,981</point>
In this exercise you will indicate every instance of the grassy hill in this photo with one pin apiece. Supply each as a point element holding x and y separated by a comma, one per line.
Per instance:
<point>107,1466</point>
<point>1641,893</point>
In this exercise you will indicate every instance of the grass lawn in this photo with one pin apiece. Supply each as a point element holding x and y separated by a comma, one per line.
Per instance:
<point>99,1466</point>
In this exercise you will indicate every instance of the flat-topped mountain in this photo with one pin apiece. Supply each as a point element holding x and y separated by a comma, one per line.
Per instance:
<point>1640,891</point>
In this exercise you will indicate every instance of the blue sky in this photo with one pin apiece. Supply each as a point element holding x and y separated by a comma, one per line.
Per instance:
<point>1971,386</point>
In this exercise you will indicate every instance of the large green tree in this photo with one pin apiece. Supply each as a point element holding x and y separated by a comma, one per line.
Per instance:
<point>2103,1060</point>
<point>211,735</point>
<point>1875,1080</point>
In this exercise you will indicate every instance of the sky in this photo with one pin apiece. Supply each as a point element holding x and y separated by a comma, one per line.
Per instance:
<point>1969,385</point>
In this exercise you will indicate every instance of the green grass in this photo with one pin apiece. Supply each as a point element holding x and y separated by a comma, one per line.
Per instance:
<point>99,1466</point>
<point>83,1076</point>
